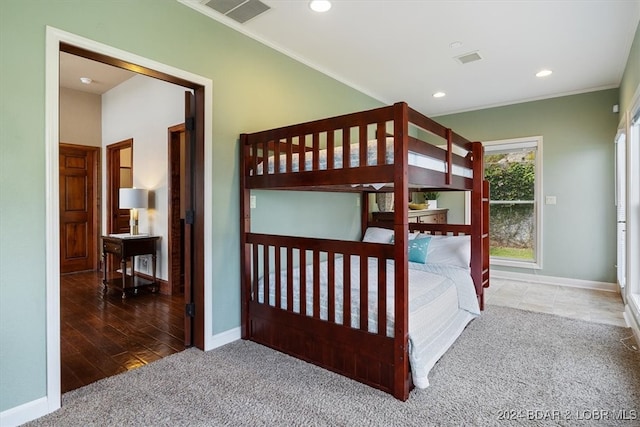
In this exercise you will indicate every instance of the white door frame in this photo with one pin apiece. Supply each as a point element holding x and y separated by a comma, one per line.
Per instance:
<point>54,37</point>
<point>632,289</point>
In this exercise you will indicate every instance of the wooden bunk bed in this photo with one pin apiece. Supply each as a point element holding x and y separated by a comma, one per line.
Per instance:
<point>389,149</point>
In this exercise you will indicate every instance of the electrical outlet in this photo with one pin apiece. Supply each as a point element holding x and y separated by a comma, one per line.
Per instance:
<point>550,200</point>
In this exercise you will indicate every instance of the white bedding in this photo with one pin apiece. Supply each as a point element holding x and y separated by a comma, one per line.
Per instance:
<point>415,159</point>
<point>442,302</point>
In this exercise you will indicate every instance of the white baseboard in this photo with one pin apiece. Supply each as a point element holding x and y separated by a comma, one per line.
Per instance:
<point>224,338</point>
<point>560,281</point>
<point>40,407</point>
<point>26,412</point>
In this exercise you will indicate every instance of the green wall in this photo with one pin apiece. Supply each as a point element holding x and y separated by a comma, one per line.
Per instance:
<point>254,88</point>
<point>578,131</point>
<point>631,77</point>
<point>307,214</point>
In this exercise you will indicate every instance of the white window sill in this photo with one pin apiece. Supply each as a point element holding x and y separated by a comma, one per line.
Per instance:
<point>503,262</point>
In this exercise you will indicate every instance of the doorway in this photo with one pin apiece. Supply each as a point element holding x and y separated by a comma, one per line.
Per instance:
<point>204,338</point>
<point>119,174</point>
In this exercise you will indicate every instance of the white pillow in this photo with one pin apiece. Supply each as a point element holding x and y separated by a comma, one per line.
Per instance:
<point>377,235</point>
<point>451,250</point>
<point>411,236</point>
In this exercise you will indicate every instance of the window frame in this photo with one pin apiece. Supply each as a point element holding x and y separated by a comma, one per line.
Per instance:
<point>515,143</point>
<point>632,206</point>
<point>620,185</point>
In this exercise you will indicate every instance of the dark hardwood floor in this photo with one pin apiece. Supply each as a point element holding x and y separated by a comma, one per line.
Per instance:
<point>103,335</point>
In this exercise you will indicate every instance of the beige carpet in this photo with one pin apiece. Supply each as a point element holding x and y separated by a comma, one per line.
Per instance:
<point>509,367</point>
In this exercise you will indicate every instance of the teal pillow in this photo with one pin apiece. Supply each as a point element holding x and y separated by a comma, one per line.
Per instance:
<point>418,249</point>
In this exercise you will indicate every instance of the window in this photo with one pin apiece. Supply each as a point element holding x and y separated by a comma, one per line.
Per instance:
<point>514,170</point>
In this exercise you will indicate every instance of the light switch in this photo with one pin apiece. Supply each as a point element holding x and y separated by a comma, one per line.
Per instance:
<point>252,202</point>
<point>550,200</point>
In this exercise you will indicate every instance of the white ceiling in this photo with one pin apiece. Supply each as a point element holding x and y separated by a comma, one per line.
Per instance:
<point>400,50</point>
<point>104,77</point>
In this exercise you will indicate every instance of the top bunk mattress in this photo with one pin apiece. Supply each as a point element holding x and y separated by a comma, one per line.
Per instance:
<point>414,159</point>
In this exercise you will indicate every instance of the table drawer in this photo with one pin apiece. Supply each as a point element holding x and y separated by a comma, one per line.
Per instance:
<point>112,248</point>
<point>141,246</point>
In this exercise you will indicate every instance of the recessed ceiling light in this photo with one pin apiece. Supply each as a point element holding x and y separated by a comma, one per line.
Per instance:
<point>439,94</point>
<point>86,80</point>
<point>544,73</point>
<point>320,5</point>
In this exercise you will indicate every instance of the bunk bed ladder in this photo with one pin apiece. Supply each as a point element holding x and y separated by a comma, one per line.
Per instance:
<point>479,226</point>
<point>485,233</point>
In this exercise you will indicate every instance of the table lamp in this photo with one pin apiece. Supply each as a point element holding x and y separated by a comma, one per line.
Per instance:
<point>133,199</point>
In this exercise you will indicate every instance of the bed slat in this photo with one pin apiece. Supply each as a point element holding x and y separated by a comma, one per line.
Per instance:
<point>382,297</point>
<point>289,278</point>
<point>265,266</point>
<point>276,157</point>
<point>364,294</point>
<point>278,284</point>
<point>362,146</point>
<point>316,284</point>
<point>346,148</point>
<point>381,154</point>
<point>303,281</point>
<point>330,150</point>
<point>316,151</point>
<point>331,291</point>
<point>346,291</point>
<point>289,155</point>
<point>302,148</point>
<point>254,294</point>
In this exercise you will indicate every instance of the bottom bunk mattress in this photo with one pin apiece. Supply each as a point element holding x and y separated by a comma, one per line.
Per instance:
<point>442,302</point>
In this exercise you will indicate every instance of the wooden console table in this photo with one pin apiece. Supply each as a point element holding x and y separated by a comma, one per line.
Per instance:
<point>427,216</point>
<point>128,247</point>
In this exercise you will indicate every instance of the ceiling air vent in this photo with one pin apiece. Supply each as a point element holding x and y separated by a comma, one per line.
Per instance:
<point>469,57</point>
<point>239,10</point>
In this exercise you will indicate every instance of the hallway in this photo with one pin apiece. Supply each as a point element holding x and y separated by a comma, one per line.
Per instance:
<point>103,335</point>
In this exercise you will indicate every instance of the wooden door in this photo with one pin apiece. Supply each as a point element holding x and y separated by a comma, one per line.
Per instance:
<point>119,175</point>
<point>177,211</point>
<point>79,224</point>
<point>189,223</point>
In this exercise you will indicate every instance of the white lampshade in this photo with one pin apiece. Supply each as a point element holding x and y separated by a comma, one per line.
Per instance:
<point>134,198</point>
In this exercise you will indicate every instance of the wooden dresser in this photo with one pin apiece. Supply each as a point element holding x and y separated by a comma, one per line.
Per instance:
<point>427,216</point>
